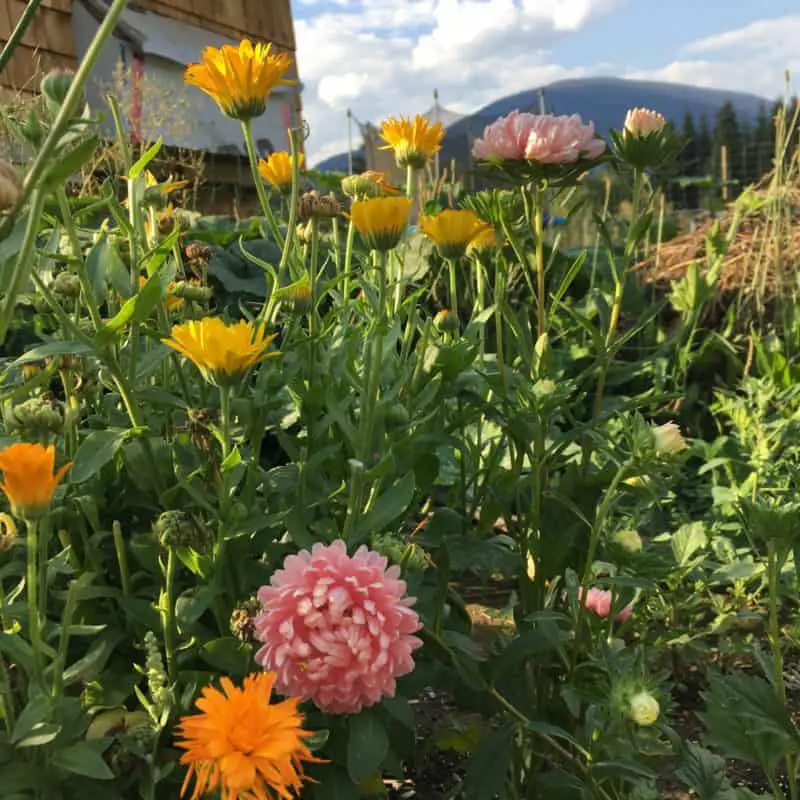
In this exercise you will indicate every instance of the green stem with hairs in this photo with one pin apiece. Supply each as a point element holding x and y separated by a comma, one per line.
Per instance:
<point>451,270</point>
<point>24,262</point>
<point>28,13</point>
<point>32,596</point>
<point>252,156</point>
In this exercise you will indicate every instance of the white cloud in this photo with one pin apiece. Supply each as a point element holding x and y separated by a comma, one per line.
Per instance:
<point>383,57</point>
<point>753,58</point>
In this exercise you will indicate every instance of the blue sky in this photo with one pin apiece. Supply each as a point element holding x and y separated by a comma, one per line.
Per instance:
<point>381,57</point>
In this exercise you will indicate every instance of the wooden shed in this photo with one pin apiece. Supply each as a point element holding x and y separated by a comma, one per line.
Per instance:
<point>143,64</point>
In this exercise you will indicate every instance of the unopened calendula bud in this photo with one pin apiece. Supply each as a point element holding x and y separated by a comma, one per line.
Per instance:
<point>191,291</point>
<point>644,709</point>
<point>299,296</point>
<point>629,540</point>
<point>668,439</point>
<point>66,284</point>
<point>54,87</point>
<point>31,370</point>
<point>446,320</point>
<point>313,205</point>
<point>304,231</point>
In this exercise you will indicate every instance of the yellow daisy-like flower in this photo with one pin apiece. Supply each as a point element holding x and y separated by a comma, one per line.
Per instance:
<point>171,303</point>
<point>242,745</point>
<point>452,231</point>
<point>381,221</point>
<point>222,353</point>
<point>276,170</point>
<point>483,241</point>
<point>240,79</point>
<point>28,478</point>
<point>414,141</point>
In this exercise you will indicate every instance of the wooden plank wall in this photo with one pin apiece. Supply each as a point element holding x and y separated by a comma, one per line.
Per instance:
<point>48,43</point>
<point>266,20</point>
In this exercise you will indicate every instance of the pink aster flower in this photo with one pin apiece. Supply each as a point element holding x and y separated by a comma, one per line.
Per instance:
<point>562,140</point>
<point>337,629</point>
<point>600,600</point>
<point>506,138</point>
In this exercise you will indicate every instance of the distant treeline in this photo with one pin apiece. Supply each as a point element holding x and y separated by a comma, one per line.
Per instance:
<point>750,149</point>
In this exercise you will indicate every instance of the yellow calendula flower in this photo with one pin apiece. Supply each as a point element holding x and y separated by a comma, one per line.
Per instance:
<point>276,170</point>
<point>242,745</point>
<point>240,79</point>
<point>414,141</point>
<point>381,221</point>
<point>483,241</point>
<point>29,480</point>
<point>222,352</point>
<point>452,231</point>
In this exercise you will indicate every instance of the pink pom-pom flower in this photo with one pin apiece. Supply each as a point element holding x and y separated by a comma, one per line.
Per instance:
<point>543,138</point>
<point>337,629</point>
<point>600,600</point>
<point>506,138</point>
<point>563,140</point>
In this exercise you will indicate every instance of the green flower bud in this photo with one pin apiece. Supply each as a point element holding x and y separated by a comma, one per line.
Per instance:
<point>66,284</point>
<point>35,418</point>
<point>54,88</point>
<point>629,540</point>
<point>192,291</point>
<point>179,529</point>
<point>644,709</point>
<point>446,321</point>
<point>157,685</point>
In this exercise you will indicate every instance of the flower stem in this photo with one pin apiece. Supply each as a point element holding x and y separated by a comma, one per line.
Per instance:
<point>28,13</point>
<point>168,613</point>
<point>773,568</point>
<point>122,558</point>
<point>538,229</point>
<point>24,261</point>
<point>348,260</point>
<point>451,269</point>
<point>32,592</point>
<point>259,184</point>
<point>63,644</point>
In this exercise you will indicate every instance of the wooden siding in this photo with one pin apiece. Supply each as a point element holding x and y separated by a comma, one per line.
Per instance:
<point>265,20</point>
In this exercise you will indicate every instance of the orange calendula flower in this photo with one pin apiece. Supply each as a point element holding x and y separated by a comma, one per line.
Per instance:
<point>240,79</point>
<point>222,352</point>
<point>242,745</point>
<point>381,221</point>
<point>277,169</point>
<point>452,231</point>
<point>28,478</point>
<point>414,141</point>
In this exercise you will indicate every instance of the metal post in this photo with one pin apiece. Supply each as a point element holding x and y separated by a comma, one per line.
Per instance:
<point>349,141</point>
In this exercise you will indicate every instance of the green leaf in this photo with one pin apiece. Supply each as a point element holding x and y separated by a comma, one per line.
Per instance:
<point>9,248</point>
<point>96,265</point>
<point>91,666</point>
<point>687,540</point>
<point>228,655</point>
<point>96,450</point>
<point>35,713</point>
<point>70,161</point>
<point>42,733</point>
<point>488,767</point>
<point>141,165</point>
<point>389,506</point>
<point>367,744</point>
<point>53,349</point>
<point>137,307</point>
<point>333,784</point>
<point>83,758</point>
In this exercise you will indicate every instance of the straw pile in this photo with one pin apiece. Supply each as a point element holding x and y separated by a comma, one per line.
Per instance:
<point>763,257</point>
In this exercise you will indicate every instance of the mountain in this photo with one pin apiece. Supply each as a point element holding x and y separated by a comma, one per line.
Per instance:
<point>602,100</point>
